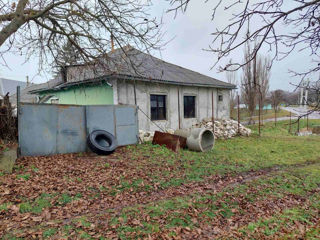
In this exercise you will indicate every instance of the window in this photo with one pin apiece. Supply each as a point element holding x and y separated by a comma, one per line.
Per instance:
<point>189,106</point>
<point>158,107</point>
<point>220,98</point>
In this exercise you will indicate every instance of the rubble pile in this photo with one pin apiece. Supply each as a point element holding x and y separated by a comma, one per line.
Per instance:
<point>224,129</point>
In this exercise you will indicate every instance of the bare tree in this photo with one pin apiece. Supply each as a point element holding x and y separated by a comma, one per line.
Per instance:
<point>248,85</point>
<point>233,79</point>
<point>263,77</point>
<point>43,27</point>
<point>280,26</point>
<point>276,99</point>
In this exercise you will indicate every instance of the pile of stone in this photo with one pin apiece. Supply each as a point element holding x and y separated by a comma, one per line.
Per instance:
<point>224,129</point>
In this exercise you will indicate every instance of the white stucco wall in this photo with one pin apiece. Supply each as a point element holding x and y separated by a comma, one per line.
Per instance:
<point>125,95</point>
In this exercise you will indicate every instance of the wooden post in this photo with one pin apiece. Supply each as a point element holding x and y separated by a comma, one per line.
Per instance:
<point>134,92</point>
<point>275,116</point>
<point>308,122</point>
<point>179,108</point>
<point>290,124</point>
<point>298,125</point>
<point>259,116</point>
<point>212,112</point>
<point>238,114</point>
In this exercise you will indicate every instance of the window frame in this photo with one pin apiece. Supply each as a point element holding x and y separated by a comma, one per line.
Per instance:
<point>220,95</point>
<point>158,96</point>
<point>195,106</point>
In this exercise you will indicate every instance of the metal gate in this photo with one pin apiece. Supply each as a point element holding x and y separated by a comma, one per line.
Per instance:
<point>46,129</point>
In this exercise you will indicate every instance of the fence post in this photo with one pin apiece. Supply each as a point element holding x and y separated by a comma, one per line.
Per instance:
<point>238,114</point>
<point>298,125</point>
<point>275,116</point>
<point>290,124</point>
<point>308,122</point>
<point>212,111</point>
<point>18,112</point>
<point>259,116</point>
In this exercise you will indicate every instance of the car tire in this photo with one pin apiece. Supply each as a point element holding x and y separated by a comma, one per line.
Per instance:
<point>102,142</point>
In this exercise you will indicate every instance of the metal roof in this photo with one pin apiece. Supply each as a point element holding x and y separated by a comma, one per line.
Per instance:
<point>144,66</point>
<point>130,63</point>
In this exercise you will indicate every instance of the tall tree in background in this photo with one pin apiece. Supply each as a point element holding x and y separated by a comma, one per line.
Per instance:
<point>68,55</point>
<point>233,79</point>
<point>263,78</point>
<point>255,82</point>
<point>43,27</point>
<point>248,85</point>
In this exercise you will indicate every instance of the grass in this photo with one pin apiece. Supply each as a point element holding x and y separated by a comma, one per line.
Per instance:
<point>180,211</point>
<point>266,114</point>
<point>36,206</point>
<point>145,192</point>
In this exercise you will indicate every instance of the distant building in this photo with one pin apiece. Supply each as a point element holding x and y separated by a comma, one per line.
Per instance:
<point>8,86</point>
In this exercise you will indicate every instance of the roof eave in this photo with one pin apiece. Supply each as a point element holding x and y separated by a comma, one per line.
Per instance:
<point>133,78</point>
<point>145,79</point>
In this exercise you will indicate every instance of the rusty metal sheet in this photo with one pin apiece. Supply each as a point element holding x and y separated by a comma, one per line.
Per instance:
<point>171,141</point>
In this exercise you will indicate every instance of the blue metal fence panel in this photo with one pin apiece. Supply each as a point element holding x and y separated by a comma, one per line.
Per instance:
<point>100,118</point>
<point>126,125</point>
<point>37,129</point>
<point>46,129</point>
<point>71,129</point>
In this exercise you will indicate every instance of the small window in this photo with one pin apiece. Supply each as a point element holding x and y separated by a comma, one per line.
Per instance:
<point>189,106</point>
<point>158,107</point>
<point>220,98</point>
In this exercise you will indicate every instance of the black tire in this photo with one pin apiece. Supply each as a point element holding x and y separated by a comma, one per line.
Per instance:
<point>102,142</point>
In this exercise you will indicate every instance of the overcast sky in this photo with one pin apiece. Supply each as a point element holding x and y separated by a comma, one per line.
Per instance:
<point>191,33</point>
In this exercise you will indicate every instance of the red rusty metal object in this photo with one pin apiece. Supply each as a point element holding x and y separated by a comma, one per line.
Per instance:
<point>172,142</point>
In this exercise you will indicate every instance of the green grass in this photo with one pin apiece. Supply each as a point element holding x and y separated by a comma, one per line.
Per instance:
<point>4,206</point>
<point>36,206</point>
<point>276,147</point>
<point>177,212</point>
<point>49,232</point>
<point>24,176</point>
<point>266,114</point>
<point>152,168</point>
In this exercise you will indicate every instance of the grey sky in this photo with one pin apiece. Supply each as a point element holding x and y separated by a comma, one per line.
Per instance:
<point>191,32</point>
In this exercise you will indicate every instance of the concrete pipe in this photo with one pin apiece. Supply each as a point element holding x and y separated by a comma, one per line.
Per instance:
<point>198,139</point>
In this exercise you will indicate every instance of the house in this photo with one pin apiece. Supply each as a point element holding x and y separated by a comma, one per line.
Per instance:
<point>8,86</point>
<point>167,95</point>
